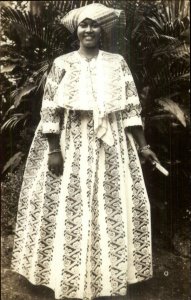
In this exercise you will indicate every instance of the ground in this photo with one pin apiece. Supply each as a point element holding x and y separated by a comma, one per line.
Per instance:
<point>170,280</point>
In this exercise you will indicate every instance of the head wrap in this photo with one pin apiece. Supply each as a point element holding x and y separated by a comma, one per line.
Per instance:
<point>106,17</point>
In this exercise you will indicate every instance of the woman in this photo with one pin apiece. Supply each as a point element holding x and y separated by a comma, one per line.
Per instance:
<point>83,226</point>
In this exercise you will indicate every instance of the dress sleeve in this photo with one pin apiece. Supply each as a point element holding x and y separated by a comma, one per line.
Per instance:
<point>132,114</point>
<point>50,111</point>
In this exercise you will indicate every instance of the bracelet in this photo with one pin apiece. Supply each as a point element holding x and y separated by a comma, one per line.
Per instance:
<point>144,148</point>
<point>54,151</point>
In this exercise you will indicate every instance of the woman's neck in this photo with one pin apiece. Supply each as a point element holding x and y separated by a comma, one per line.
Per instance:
<point>88,52</point>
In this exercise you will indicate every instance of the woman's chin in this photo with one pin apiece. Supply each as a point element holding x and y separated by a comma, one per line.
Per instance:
<point>90,44</point>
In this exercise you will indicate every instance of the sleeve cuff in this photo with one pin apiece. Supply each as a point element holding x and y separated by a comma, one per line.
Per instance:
<point>49,127</point>
<point>133,121</point>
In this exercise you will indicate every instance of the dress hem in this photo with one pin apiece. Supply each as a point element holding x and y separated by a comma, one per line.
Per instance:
<point>84,298</point>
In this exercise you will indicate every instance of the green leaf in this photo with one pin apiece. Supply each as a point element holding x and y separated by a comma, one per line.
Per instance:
<point>7,68</point>
<point>13,162</point>
<point>183,77</point>
<point>11,108</point>
<point>15,119</point>
<point>172,107</point>
<point>155,23</point>
<point>25,91</point>
<point>35,26</point>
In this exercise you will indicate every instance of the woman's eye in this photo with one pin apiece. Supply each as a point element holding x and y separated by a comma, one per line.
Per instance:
<point>83,25</point>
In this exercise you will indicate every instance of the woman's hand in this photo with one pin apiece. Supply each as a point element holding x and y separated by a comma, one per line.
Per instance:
<point>149,156</point>
<point>55,163</point>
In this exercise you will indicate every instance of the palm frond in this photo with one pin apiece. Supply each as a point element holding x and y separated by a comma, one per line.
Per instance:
<point>173,108</point>
<point>13,162</point>
<point>15,119</point>
<point>49,34</point>
<point>20,93</point>
<point>167,79</point>
<point>168,23</point>
<point>42,81</point>
<point>155,23</point>
<point>65,6</point>
<point>175,9</point>
<point>174,50</point>
<point>10,109</point>
<point>168,38</point>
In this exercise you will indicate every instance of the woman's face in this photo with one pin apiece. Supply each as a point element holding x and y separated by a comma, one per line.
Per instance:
<point>88,33</point>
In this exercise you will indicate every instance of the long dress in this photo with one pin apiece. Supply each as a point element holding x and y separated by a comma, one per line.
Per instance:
<point>85,233</point>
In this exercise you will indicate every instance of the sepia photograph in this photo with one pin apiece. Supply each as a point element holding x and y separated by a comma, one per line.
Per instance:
<point>95,150</point>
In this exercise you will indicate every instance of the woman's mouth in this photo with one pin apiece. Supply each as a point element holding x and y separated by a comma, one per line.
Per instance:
<point>89,37</point>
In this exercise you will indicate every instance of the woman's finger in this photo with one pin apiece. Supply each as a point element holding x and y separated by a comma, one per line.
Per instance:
<point>153,157</point>
<point>156,158</point>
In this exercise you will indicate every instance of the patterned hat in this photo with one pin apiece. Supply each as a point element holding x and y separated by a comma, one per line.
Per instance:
<point>105,16</point>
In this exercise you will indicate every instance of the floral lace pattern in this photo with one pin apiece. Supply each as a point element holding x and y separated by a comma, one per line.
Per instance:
<point>103,85</point>
<point>86,233</point>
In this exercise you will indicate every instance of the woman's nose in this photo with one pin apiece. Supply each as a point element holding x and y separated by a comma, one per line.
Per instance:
<point>89,28</point>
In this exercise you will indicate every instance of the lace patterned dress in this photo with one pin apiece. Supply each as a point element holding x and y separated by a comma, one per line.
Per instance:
<point>86,233</point>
